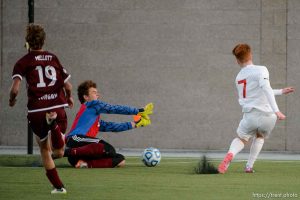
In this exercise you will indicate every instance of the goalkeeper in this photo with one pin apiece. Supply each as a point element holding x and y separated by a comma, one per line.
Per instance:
<point>83,148</point>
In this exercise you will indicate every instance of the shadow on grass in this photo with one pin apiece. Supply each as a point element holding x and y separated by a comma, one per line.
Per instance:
<point>29,161</point>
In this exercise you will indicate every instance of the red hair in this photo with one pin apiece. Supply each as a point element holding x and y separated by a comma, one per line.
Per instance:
<point>242,52</point>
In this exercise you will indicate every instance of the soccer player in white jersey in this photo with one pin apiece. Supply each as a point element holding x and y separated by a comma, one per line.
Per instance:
<point>259,107</point>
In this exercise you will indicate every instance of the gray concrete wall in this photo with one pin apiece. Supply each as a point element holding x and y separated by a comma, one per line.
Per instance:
<point>174,53</point>
<point>293,73</point>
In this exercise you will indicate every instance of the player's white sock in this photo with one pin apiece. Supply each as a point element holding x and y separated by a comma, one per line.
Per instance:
<point>236,146</point>
<point>255,149</point>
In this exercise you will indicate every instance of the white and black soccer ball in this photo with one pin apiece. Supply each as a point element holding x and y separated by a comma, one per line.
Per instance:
<point>151,157</point>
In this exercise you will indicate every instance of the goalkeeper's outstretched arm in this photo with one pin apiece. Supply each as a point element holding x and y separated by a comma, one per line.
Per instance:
<point>115,126</point>
<point>123,126</point>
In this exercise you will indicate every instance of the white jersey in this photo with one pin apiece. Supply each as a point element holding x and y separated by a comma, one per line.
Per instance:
<point>254,89</point>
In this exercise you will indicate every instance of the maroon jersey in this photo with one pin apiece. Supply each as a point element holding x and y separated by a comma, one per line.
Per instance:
<point>45,78</point>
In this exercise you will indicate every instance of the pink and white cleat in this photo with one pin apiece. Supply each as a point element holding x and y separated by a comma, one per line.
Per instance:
<point>249,169</point>
<point>225,163</point>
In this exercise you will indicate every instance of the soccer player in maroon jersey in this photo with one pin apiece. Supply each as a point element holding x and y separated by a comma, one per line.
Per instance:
<point>49,92</point>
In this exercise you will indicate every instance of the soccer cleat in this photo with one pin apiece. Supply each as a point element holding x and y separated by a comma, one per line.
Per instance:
<point>225,163</point>
<point>59,191</point>
<point>81,164</point>
<point>249,169</point>
<point>50,117</point>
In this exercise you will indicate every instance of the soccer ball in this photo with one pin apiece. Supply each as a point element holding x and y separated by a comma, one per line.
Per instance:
<point>151,157</point>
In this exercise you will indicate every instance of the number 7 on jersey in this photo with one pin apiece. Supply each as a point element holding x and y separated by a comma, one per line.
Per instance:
<point>244,82</point>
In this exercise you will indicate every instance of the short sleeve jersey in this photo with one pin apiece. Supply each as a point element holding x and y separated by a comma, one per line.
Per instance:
<point>45,79</point>
<point>249,83</point>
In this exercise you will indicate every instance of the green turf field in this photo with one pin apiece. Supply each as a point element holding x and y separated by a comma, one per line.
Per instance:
<point>22,178</point>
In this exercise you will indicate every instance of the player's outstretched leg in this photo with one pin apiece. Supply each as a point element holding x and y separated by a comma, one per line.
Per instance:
<point>92,150</point>
<point>236,146</point>
<point>109,162</point>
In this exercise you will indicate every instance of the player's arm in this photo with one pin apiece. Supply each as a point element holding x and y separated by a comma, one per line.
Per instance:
<point>102,107</point>
<point>268,91</point>
<point>115,126</point>
<point>271,98</point>
<point>14,90</point>
<point>286,90</point>
<point>68,91</point>
<point>138,121</point>
<point>67,85</point>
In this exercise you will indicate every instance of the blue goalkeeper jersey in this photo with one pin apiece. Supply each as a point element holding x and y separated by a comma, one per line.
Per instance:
<point>88,123</point>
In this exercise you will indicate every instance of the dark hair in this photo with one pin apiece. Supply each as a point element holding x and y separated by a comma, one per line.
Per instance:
<point>83,89</point>
<point>242,52</point>
<point>35,36</point>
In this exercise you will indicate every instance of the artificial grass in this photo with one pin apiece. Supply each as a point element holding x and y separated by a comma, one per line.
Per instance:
<point>22,178</point>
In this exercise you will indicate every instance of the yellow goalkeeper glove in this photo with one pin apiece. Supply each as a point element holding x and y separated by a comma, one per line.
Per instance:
<point>147,110</point>
<point>140,121</point>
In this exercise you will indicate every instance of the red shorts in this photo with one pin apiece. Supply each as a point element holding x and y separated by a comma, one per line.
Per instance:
<point>39,126</point>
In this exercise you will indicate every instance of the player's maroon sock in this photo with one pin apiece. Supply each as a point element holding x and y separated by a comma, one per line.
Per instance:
<point>91,150</point>
<point>56,137</point>
<point>100,163</point>
<point>54,178</point>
